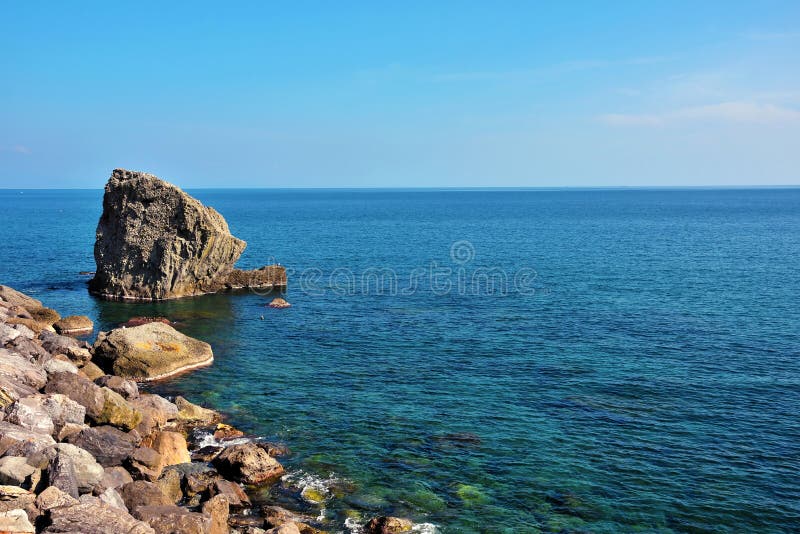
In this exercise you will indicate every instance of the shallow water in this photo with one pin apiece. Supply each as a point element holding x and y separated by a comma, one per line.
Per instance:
<point>645,379</point>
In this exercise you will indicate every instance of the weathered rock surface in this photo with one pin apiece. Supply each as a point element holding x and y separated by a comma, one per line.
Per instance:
<point>172,448</point>
<point>74,324</point>
<point>52,497</point>
<point>142,493</point>
<point>16,471</point>
<point>218,510</point>
<point>15,522</point>
<point>248,463</point>
<point>168,519</point>
<point>95,518</point>
<point>110,446</point>
<point>192,413</point>
<point>150,352</point>
<point>88,472</point>
<point>124,386</point>
<point>156,242</point>
<point>14,298</point>
<point>18,441</point>
<point>45,413</point>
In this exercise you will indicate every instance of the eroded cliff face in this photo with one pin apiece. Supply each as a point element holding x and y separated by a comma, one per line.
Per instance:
<point>155,242</point>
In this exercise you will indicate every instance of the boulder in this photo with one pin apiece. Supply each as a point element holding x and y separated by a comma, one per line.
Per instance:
<point>172,448</point>
<point>46,413</point>
<point>29,349</point>
<point>18,441</point>
<point>46,316</point>
<point>117,412</point>
<point>55,366</point>
<point>279,303</point>
<point>145,463</point>
<point>232,491</point>
<point>80,389</point>
<point>8,334</point>
<point>388,525</point>
<point>88,472</point>
<point>223,432</point>
<point>156,411</point>
<point>16,471</point>
<point>169,519</point>
<point>142,493</point>
<point>74,324</point>
<point>58,344</point>
<point>18,369</point>
<point>112,498</point>
<point>155,242</point>
<point>14,298</point>
<point>11,391</point>
<point>125,387</point>
<point>248,463</point>
<point>218,510</point>
<point>192,413</point>
<point>113,478</point>
<point>61,474</point>
<point>170,485</point>
<point>52,497</point>
<point>15,522</point>
<point>14,498</point>
<point>95,518</point>
<point>150,352</point>
<point>92,371</point>
<point>109,445</point>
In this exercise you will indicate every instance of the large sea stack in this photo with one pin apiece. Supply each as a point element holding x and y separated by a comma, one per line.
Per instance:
<point>155,242</point>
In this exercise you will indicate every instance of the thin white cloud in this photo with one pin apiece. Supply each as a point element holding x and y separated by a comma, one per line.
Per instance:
<point>552,70</point>
<point>734,112</point>
<point>756,35</point>
<point>16,149</point>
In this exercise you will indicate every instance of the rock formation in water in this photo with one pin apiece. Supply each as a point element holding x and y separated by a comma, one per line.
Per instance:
<point>155,242</point>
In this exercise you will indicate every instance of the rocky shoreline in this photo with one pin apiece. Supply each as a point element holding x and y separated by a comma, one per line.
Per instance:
<point>82,449</point>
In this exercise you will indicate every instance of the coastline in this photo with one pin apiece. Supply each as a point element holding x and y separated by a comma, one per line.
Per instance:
<point>112,458</point>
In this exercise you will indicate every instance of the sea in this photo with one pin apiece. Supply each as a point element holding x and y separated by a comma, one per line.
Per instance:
<point>505,361</point>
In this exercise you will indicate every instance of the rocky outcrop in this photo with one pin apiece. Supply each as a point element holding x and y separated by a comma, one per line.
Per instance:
<point>150,352</point>
<point>155,242</point>
<point>90,453</point>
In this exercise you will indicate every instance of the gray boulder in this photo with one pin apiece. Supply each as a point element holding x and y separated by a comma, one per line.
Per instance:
<point>109,446</point>
<point>155,242</point>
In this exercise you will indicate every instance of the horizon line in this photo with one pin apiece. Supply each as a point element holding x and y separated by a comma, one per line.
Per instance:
<point>443,188</point>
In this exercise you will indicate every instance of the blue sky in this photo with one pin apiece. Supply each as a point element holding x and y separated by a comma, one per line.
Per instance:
<point>408,94</point>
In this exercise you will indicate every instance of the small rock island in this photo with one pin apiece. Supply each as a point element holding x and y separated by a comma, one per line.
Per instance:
<point>155,242</point>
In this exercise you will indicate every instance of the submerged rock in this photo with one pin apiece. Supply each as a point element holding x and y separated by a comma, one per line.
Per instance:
<point>155,242</point>
<point>388,525</point>
<point>150,352</point>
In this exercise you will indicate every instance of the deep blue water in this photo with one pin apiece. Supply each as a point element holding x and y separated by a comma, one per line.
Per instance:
<point>646,379</point>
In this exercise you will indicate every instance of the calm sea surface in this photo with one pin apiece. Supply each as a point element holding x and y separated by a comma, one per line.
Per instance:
<point>493,361</point>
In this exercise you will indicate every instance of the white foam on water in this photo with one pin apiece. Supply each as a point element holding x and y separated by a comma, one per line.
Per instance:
<point>209,440</point>
<point>354,527</point>
<point>306,481</point>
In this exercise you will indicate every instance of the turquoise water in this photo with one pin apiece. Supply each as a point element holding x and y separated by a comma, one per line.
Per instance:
<point>645,379</point>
